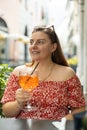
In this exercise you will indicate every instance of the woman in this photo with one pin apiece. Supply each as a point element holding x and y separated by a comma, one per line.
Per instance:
<point>59,90</point>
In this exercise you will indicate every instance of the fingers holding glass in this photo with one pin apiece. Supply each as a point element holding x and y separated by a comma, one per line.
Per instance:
<point>22,97</point>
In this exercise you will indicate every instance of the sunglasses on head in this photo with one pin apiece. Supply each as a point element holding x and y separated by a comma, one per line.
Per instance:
<point>47,28</point>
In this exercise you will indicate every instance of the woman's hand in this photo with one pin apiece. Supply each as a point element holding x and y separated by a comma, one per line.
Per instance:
<point>22,97</point>
<point>13,108</point>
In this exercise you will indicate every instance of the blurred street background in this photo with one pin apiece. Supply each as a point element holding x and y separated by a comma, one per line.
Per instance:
<point>69,17</point>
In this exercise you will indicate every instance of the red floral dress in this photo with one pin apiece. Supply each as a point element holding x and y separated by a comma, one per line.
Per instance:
<point>51,98</point>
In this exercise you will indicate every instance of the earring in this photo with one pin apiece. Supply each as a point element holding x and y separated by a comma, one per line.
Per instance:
<point>52,54</point>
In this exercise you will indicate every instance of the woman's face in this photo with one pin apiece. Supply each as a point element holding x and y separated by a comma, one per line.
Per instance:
<point>40,46</point>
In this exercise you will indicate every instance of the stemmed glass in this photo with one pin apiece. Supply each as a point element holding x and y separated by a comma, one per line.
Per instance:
<point>28,82</point>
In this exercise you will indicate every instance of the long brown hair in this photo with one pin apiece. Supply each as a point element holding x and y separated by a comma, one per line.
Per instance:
<point>57,56</point>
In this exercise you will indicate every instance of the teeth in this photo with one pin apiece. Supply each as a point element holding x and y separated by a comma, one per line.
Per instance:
<point>34,52</point>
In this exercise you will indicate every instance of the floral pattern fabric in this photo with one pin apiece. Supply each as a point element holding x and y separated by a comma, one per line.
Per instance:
<point>51,98</point>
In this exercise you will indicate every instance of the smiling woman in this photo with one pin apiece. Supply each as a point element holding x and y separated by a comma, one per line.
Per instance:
<point>57,90</point>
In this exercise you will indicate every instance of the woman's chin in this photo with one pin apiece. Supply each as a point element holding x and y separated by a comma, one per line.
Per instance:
<point>35,59</point>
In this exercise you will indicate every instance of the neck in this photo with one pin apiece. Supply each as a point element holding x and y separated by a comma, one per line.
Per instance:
<point>44,70</point>
<point>45,64</point>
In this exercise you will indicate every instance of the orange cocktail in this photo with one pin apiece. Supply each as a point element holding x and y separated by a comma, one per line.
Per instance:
<point>28,82</point>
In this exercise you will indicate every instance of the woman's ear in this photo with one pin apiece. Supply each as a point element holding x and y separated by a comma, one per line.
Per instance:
<point>54,47</point>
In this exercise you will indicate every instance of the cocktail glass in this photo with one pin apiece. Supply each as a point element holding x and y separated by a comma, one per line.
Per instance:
<point>28,82</point>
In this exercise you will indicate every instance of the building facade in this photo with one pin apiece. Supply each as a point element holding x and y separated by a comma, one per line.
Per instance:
<point>18,18</point>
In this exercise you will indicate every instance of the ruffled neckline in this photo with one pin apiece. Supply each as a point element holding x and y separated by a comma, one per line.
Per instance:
<point>52,81</point>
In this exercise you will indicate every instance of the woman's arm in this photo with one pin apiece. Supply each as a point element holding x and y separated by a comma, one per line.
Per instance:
<point>74,111</point>
<point>11,109</point>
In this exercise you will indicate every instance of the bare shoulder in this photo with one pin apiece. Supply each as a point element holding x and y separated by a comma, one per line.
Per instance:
<point>18,69</point>
<point>70,72</point>
<point>64,72</point>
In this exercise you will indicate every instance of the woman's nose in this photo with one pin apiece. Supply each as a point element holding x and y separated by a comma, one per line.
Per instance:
<point>34,44</point>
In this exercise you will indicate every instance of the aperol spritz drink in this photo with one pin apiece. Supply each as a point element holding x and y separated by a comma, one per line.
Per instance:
<point>28,82</point>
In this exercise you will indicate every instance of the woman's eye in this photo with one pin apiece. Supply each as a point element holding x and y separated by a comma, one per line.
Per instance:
<point>40,42</point>
<point>31,42</point>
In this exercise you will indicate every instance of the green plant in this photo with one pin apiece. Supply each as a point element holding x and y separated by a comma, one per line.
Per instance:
<point>5,71</point>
